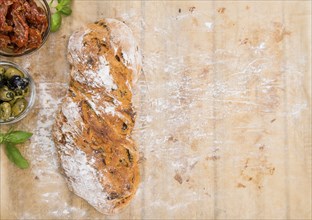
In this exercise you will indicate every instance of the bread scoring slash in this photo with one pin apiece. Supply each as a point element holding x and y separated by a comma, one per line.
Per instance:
<point>92,131</point>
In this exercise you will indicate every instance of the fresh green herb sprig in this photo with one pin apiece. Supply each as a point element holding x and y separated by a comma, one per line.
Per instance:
<point>10,140</point>
<point>61,8</point>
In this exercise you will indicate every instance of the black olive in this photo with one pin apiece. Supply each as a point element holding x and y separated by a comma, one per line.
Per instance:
<point>18,82</point>
<point>113,195</point>
<point>117,58</point>
<point>124,126</point>
<point>14,81</point>
<point>130,157</point>
<point>25,83</point>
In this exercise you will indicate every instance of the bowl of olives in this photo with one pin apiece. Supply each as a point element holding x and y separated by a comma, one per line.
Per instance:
<point>17,92</point>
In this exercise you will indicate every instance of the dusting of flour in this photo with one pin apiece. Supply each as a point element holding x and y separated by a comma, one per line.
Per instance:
<point>84,178</point>
<point>97,78</point>
<point>187,99</point>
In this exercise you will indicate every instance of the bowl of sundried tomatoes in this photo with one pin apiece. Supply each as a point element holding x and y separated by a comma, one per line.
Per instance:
<point>24,26</point>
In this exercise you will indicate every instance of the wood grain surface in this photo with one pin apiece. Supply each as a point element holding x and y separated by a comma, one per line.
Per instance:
<point>223,113</point>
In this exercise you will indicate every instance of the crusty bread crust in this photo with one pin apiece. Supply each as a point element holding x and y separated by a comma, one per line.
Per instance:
<point>92,131</point>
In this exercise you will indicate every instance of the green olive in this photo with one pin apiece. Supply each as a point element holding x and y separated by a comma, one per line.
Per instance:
<point>19,106</point>
<point>26,91</point>
<point>12,102</point>
<point>2,70</point>
<point>19,92</point>
<point>22,92</point>
<point>5,111</point>
<point>11,71</point>
<point>6,94</point>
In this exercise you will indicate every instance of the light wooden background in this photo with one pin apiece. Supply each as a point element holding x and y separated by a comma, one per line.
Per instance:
<point>223,105</point>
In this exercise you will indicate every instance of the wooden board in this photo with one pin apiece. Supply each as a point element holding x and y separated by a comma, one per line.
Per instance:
<point>223,113</point>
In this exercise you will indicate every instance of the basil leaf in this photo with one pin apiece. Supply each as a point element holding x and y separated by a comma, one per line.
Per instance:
<point>17,137</point>
<point>62,4</point>
<point>66,10</point>
<point>56,21</point>
<point>59,7</point>
<point>15,156</point>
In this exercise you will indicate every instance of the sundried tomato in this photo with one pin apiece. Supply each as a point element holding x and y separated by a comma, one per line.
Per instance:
<point>34,14</point>
<point>20,37</point>
<point>22,24</point>
<point>4,41</point>
<point>34,38</point>
<point>3,12</point>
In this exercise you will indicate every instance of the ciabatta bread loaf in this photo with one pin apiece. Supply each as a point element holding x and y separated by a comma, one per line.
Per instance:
<point>93,128</point>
